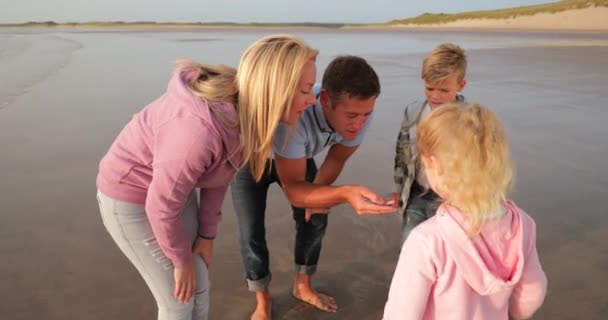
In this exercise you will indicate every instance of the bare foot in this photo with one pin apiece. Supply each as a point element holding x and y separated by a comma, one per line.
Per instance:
<point>263,310</point>
<point>318,300</point>
<point>261,314</point>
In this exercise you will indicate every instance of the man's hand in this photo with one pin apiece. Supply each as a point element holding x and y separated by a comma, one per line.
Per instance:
<point>204,247</point>
<point>310,212</point>
<point>365,201</point>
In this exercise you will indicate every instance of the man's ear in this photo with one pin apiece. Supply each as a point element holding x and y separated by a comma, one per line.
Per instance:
<point>325,100</point>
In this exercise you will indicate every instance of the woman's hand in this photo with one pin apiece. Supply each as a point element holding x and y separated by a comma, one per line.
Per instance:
<point>185,277</point>
<point>204,247</point>
<point>185,282</point>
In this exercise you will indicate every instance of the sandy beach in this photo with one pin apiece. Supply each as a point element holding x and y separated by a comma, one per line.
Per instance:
<point>65,96</point>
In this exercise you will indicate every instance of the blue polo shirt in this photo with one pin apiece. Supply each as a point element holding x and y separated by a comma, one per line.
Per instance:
<point>312,134</point>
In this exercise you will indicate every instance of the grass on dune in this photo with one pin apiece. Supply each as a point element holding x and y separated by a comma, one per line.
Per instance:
<point>438,18</point>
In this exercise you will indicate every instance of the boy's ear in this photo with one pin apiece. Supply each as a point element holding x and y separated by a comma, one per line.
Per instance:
<point>463,83</point>
<point>325,100</point>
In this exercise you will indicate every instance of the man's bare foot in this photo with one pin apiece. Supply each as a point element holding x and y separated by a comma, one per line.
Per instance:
<point>263,310</point>
<point>304,292</point>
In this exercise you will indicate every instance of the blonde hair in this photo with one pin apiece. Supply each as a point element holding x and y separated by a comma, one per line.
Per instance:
<point>444,61</point>
<point>268,76</point>
<point>468,142</point>
<point>213,83</point>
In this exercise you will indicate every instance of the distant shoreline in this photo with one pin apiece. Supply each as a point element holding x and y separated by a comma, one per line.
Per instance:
<point>146,24</point>
<point>346,28</point>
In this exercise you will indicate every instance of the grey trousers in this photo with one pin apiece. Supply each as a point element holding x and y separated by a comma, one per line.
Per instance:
<point>129,227</point>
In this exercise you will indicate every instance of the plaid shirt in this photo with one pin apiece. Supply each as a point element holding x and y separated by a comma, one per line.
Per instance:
<point>406,157</point>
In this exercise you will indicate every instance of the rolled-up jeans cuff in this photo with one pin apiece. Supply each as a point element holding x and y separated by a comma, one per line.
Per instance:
<point>259,285</point>
<point>308,270</point>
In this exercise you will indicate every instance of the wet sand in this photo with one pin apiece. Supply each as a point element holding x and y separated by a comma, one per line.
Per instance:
<point>59,262</point>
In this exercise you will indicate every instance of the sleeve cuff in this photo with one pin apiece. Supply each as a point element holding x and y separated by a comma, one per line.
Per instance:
<point>208,232</point>
<point>182,261</point>
<point>206,237</point>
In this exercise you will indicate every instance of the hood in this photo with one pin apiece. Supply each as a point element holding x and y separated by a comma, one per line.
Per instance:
<point>493,260</point>
<point>220,116</point>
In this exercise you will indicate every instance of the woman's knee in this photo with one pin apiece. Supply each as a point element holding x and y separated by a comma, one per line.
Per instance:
<point>201,294</point>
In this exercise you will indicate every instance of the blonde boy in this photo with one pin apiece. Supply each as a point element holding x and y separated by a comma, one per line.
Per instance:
<point>443,74</point>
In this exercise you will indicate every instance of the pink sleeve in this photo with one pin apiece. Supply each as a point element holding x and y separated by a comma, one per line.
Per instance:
<point>211,211</point>
<point>183,150</point>
<point>529,294</point>
<point>415,275</point>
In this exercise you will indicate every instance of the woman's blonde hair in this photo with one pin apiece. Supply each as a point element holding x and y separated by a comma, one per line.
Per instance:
<point>469,143</point>
<point>213,83</point>
<point>268,76</point>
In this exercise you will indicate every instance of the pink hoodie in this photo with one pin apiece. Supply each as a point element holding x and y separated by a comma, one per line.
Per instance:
<point>444,274</point>
<point>174,145</point>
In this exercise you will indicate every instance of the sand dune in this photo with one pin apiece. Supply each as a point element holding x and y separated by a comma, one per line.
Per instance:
<point>580,19</point>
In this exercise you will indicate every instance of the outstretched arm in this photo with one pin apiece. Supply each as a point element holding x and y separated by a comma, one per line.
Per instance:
<point>304,194</point>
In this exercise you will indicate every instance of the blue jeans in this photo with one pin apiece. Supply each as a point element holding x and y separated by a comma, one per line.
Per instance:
<point>422,205</point>
<point>249,199</point>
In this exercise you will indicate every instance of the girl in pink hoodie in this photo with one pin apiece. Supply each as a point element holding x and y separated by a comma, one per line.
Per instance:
<point>476,258</point>
<point>162,183</point>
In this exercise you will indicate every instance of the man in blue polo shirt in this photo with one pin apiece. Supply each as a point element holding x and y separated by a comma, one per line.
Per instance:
<point>337,121</point>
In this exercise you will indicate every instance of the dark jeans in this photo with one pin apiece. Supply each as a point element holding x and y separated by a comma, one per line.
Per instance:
<point>249,199</point>
<point>422,205</point>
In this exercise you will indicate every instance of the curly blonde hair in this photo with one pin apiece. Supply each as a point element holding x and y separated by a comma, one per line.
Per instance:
<point>469,144</point>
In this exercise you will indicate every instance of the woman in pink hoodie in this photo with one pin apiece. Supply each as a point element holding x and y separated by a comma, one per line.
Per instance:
<point>476,258</point>
<point>195,137</point>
